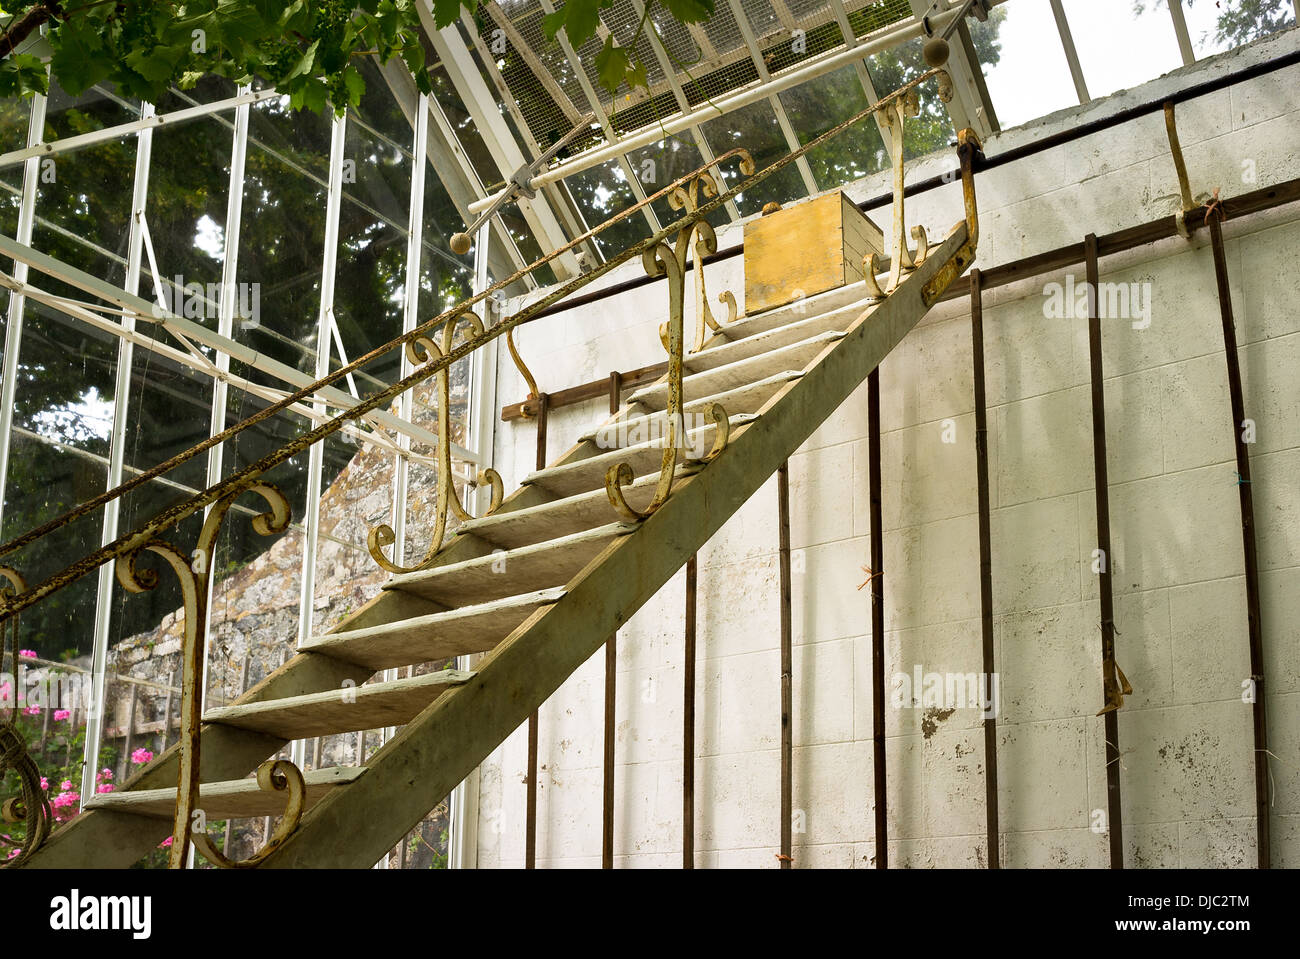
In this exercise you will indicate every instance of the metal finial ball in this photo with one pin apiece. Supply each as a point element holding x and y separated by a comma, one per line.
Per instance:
<point>460,243</point>
<point>935,51</point>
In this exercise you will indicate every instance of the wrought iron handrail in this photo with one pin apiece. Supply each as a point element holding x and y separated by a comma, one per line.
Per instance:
<point>691,234</point>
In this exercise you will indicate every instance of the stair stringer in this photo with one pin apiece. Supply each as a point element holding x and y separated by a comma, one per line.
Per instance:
<point>355,825</point>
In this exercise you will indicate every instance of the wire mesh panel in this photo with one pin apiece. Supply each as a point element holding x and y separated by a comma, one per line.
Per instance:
<point>709,59</point>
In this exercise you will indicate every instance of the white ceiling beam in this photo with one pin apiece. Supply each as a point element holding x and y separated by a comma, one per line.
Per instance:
<point>491,125</point>
<point>782,121</point>
<point>611,136</point>
<point>1071,54</point>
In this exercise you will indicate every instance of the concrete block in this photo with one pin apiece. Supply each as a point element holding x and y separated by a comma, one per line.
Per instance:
<point>1042,775</point>
<point>1211,654</point>
<point>1031,562</point>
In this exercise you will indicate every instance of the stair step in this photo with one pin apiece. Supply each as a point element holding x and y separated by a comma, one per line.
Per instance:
<point>852,298</point>
<point>423,639</point>
<point>741,373</point>
<point>536,566</point>
<point>578,476</point>
<point>236,799</point>
<point>721,350</point>
<point>745,399</point>
<point>560,517</point>
<point>343,710</point>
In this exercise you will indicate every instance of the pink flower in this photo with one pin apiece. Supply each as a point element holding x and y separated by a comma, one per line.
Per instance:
<point>141,756</point>
<point>105,788</point>
<point>27,654</point>
<point>6,690</point>
<point>103,775</point>
<point>165,844</point>
<point>13,853</point>
<point>66,784</point>
<point>45,783</point>
<point>32,711</point>
<point>65,800</point>
<point>61,714</point>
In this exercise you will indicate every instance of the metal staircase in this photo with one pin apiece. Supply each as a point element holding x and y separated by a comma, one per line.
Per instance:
<point>537,585</point>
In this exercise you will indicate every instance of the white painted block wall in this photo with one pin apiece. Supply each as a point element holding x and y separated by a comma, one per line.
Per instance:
<point>1187,773</point>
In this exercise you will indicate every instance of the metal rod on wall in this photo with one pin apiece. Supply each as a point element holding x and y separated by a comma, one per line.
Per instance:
<point>876,578</point>
<point>530,816</point>
<point>986,569</point>
<point>688,725</point>
<point>787,668</point>
<point>1104,563</point>
<point>1244,489</point>
<point>611,682</point>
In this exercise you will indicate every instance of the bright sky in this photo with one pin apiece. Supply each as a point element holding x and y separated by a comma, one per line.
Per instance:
<point>1117,50</point>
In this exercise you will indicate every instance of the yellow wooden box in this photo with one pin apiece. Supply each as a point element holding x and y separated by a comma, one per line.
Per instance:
<point>806,249</point>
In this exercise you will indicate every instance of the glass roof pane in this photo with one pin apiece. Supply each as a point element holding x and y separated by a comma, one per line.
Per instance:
<point>1222,25</point>
<point>1023,62</point>
<point>600,193</point>
<point>932,129</point>
<point>1120,45</point>
<point>755,128</point>
<point>660,164</point>
<point>816,106</point>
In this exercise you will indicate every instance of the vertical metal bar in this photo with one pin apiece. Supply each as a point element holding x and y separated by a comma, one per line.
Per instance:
<point>530,826</point>
<point>226,328</point>
<point>877,621</point>
<point>116,460</point>
<point>688,724</point>
<point>1071,54</point>
<point>1106,596</point>
<point>1180,29</point>
<point>986,570</point>
<point>17,302</point>
<point>480,419</point>
<point>1244,489</point>
<point>167,710</point>
<point>316,457</point>
<point>611,684</point>
<point>787,668</point>
<point>130,737</point>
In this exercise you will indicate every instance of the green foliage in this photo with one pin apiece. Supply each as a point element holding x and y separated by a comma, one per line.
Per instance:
<point>307,49</point>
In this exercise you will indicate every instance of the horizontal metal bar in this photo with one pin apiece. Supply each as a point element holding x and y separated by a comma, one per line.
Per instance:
<point>201,334</point>
<point>64,144</point>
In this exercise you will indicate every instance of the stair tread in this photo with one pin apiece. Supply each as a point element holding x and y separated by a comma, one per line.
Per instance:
<point>535,566</point>
<point>551,520</point>
<point>422,639</point>
<point>745,399</point>
<point>743,372</point>
<point>579,475</point>
<point>233,799</point>
<point>851,296</point>
<point>721,350</point>
<point>343,710</point>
